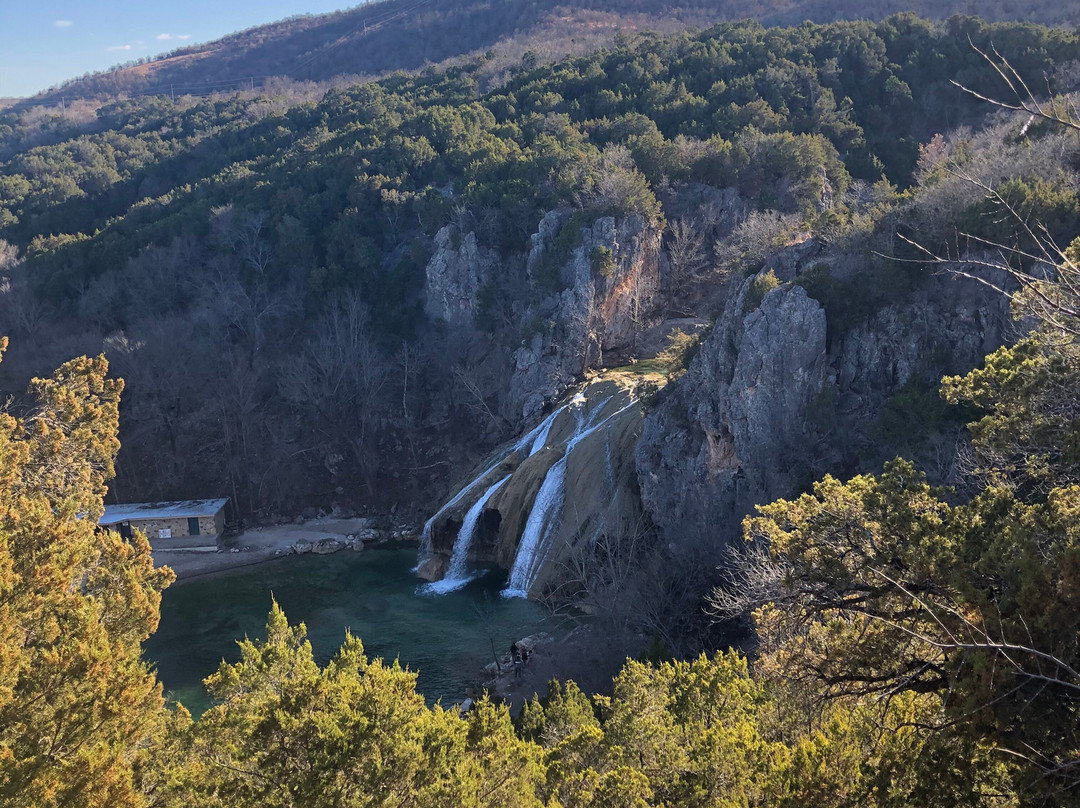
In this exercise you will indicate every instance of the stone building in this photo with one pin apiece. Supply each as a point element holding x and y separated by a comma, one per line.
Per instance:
<point>191,523</point>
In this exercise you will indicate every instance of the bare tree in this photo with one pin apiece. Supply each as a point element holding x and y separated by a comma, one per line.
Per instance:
<point>601,574</point>
<point>754,238</point>
<point>250,311</point>
<point>466,379</point>
<point>251,246</point>
<point>1060,111</point>
<point>750,578</point>
<point>686,252</point>
<point>9,256</point>
<point>337,385</point>
<point>1047,275</point>
<point>20,308</point>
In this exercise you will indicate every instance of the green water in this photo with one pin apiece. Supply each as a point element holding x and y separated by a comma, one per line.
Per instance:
<point>446,639</point>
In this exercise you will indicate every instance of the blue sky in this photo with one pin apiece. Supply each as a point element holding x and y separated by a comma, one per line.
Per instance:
<point>43,43</point>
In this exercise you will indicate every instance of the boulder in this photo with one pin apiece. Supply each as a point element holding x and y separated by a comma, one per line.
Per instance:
<point>433,569</point>
<point>327,546</point>
<point>302,546</point>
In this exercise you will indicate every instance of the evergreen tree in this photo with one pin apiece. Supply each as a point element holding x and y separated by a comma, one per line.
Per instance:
<point>77,702</point>
<point>355,733</point>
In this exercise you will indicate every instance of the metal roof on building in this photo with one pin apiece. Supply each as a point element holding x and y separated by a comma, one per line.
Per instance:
<point>189,508</point>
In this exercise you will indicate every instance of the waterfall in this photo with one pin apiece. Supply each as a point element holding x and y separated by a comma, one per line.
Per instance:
<point>457,573</point>
<point>541,432</point>
<point>535,439</point>
<point>538,435</point>
<point>548,498</point>
<point>544,517</point>
<point>429,525</point>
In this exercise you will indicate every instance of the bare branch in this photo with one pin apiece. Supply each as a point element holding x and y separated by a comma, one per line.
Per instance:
<point>1024,99</point>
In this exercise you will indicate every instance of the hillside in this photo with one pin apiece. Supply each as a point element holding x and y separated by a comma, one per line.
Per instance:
<point>381,37</point>
<point>749,339</point>
<point>259,251</point>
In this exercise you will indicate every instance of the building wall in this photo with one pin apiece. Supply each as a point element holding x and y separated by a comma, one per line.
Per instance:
<point>210,527</point>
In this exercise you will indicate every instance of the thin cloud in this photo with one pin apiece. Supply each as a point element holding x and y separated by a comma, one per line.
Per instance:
<point>63,23</point>
<point>118,48</point>
<point>164,37</point>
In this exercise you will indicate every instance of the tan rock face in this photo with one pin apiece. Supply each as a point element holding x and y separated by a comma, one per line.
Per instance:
<point>599,490</point>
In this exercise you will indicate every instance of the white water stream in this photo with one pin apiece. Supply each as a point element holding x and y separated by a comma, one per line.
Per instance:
<point>546,513</point>
<point>534,439</point>
<point>457,574</point>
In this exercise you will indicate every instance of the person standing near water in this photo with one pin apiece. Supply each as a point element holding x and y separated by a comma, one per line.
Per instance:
<point>517,659</point>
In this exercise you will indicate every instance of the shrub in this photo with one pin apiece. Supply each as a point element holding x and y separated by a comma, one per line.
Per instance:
<point>763,283</point>
<point>603,262</point>
<point>675,358</point>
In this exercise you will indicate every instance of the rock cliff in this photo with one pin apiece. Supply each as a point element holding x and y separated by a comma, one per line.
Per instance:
<point>607,286</point>
<point>772,402</point>
<point>457,269</point>
<point>785,388</point>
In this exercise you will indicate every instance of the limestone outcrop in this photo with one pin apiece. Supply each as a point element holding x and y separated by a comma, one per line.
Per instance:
<point>454,274</point>
<point>608,282</point>
<point>773,401</point>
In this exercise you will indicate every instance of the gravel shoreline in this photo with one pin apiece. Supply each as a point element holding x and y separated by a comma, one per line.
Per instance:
<point>256,546</point>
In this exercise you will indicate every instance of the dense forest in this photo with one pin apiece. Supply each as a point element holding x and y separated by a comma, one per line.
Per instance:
<point>912,651</point>
<point>238,258</point>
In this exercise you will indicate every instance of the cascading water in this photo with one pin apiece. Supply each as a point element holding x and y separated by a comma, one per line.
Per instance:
<point>457,574</point>
<point>544,429</point>
<point>548,499</point>
<point>426,536</point>
<point>534,439</point>
<point>534,545</point>
<point>538,435</point>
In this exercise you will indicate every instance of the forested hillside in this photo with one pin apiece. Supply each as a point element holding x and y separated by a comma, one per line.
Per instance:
<point>257,268</point>
<point>857,280</point>
<point>376,38</point>
<point>912,652</point>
